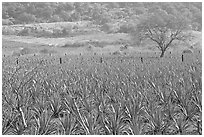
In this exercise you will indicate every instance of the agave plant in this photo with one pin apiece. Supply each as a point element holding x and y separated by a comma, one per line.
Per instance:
<point>184,102</point>
<point>44,125</point>
<point>55,104</point>
<point>155,116</point>
<point>18,127</point>
<point>134,107</point>
<point>197,118</point>
<point>113,97</point>
<point>116,117</point>
<point>170,111</point>
<point>181,126</point>
<point>69,124</point>
<point>9,119</point>
<point>101,109</point>
<point>70,104</point>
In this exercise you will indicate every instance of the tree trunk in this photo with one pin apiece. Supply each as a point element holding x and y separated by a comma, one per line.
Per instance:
<point>162,54</point>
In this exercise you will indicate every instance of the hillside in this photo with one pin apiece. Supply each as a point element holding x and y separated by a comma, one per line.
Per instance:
<point>100,43</point>
<point>94,27</point>
<point>98,12</point>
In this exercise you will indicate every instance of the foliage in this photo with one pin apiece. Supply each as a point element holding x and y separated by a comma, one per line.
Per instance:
<point>118,96</point>
<point>163,29</point>
<point>98,12</point>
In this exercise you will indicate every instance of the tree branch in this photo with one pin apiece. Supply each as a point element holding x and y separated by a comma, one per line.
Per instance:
<point>151,36</point>
<point>169,43</point>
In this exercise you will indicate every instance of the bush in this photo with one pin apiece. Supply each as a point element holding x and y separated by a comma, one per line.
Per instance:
<point>105,28</point>
<point>44,51</point>
<point>62,31</point>
<point>47,51</point>
<point>25,51</point>
<point>44,33</point>
<point>8,31</point>
<point>110,27</point>
<point>57,32</point>
<point>74,44</point>
<point>24,32</point>
<point>56,18</point>
<point>26,18</point>
<point>89,47</point>
<point>66,30</point>
<point>7,22</point>
<point>124,47</point>
<point>16,53</point>
<point>117,53</point>
<point>22,51</point>
<point>125,28</point>
<point>187,51</point>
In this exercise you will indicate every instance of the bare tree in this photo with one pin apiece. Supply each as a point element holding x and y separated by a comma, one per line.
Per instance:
<point>163,29</point>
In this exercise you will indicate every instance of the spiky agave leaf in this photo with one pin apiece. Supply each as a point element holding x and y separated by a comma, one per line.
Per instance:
<point>18,127</point>
<point>70,104</point>
<point>100,107</point>
<point>186,103</point>
<point>197,99</point>
<point>134,108</point>
<point>55,104</point>
<point>40,105</point>
<point>170,111</point>
<point>115,118</point>
<point>181,126</point>
<point>9,119</point>
<point>44,124</point>
<point>163,95</point>
<point>89,115</point>
<point>155,116</point>
<point>69,123</point>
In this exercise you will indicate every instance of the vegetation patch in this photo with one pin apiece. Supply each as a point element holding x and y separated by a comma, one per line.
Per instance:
<point>47,51</point>
<point>154,95</point>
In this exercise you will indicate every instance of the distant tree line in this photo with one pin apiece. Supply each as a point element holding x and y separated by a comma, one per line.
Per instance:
<point>100,13</point>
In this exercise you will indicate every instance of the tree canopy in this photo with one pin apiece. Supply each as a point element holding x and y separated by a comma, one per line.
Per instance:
<point>99,13</point>
<point>163,28</point>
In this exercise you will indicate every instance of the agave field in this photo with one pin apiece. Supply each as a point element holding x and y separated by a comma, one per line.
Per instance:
<point>102,95</point>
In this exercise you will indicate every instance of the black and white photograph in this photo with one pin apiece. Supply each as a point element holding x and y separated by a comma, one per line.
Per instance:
<point>101,68</point>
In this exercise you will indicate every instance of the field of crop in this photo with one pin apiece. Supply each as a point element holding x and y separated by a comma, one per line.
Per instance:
<point>102,95</point>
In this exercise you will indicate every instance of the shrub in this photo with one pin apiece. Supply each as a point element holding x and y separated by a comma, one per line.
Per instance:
<point>76,44</point>
<point>56,18</point>
<point>117,53</point>
<point>16,53</point>
<point>25,51</point>
<point>105,28</point>
<point>123,47</point>
<point>7,22</point>
<point>44,51</point>
<point>22,51</point>
<point>125,28</point>
<point>24,32</point>
<point>187,51</point>
<point>67,30</point>
<point>47,51</point>
<point>26,18</point>
<point>57,32</point>
<point>8,31</point>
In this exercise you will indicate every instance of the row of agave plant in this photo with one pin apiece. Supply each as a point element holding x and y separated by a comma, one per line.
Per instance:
<point>107,99</point>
